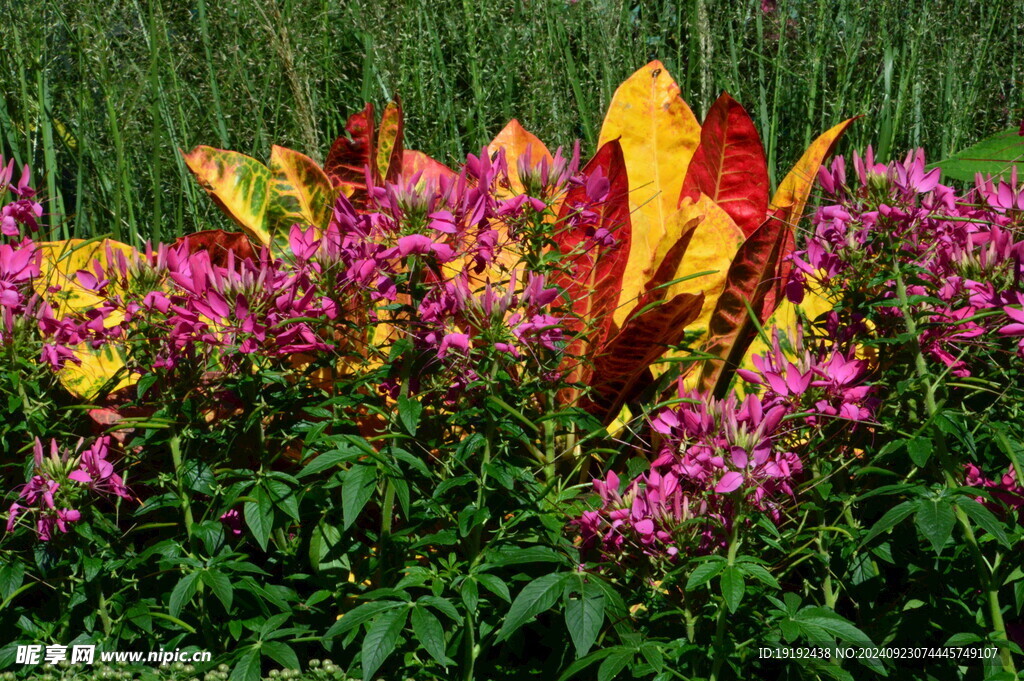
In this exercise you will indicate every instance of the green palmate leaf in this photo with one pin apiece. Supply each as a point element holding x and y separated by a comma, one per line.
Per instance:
<point>495,585</point>
<point>430,634</point>
<point>935,519</point>
<point>997,155</point>
<point>536,597</point>
<point>11,577</point>
<point>919,449</point>
<point>182,593</point>
<point>381,639</point>
<point>759,573</point>
<point>329,460</point>
<point>892,517</point>
<point>220,585</point>
<point>584,617</point>
<point>704,573</point>
<point>733,586</point>
<point>359,485</point>
<point>983,518</point>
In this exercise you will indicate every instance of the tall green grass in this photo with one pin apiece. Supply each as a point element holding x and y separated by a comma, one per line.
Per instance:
<point>98,96</point>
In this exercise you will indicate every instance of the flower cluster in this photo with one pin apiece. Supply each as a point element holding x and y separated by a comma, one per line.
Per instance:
<point>62,480</point>
<point>717,459</point>
<point>958,256</point>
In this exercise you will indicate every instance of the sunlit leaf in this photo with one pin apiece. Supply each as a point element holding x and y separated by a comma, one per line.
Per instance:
<point>729,165</point>
<point>299,193</point>
<point>622,370</point>
<point>592,273</point>
<point>517,142</point>
<point>750,277</point>
<point>416,161</point>
<point>792,194</point>
<point>351,154</point>
<point>239,184</point>
<point>659,135</point>
<point>997,156</point>
<point>389,142</point>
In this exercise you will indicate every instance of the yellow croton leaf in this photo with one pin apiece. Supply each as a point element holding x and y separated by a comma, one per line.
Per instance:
<point>239,184</point>
<point>517,142</point>
<point>299,193</point>
<point>713,245</point>
<point>659,135</point>
<point>58,284</point>
<point>795,188</point>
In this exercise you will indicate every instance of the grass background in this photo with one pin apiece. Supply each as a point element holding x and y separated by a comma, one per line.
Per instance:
<point>99,94</point>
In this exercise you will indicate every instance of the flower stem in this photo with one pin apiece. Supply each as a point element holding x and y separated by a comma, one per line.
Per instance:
<point>723,608</point>
<point>179,474</point>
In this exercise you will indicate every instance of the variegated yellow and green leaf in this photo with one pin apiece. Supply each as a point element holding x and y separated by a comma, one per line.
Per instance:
<point>299,193</point>
<point>239,184</point>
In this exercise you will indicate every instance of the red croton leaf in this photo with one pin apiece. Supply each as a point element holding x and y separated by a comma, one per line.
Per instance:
<point>592,272</point>
<point>218,244</point>
<point>729,165</point>
<point>416,161</point>
<point>622,370</point>
<point>754,280</point>
<point>351,154</point>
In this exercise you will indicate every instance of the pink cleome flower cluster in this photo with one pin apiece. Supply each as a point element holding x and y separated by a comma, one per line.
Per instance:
<point>961,254</point>
<point>62,480</point>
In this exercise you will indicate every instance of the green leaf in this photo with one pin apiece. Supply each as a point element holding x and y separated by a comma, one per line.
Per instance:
<point>833,623</point>
<point>614,664</point>
<point>995,155</point>
<point>11,577</point>
<point>893,517</point>
<point>430,635</point>
<point>409,410</point>
<point>733,587</point>
<point>359,485</point>
<point>247,668</point>
<point>470,594</point>
<point>182,593</point>
<point>963,639</point>
<point>536,597</point>
<point>329,460</point>
<point>358,615</point>
<point>584,617</point>
<point>442,605</point>
<point>495,585</point>
<point>704,573</point>
<point>984,518</point>
<point>282,653</point>
<point>759,573</point>
<point>381,639</point>
<point>259,523</point>
<point>935,519</point>
<point>220,585</point>
<point>919,449</point>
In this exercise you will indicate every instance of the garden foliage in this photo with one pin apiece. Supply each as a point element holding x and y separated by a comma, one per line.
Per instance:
<point>614,419</point>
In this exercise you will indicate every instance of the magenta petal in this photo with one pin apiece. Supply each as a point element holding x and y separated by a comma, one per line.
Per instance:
<point>729,482</point>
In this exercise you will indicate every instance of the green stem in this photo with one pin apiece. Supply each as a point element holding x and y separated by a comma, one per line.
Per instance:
<point>988,584</point>
<point>723,609</point>
<point>178,474</point>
